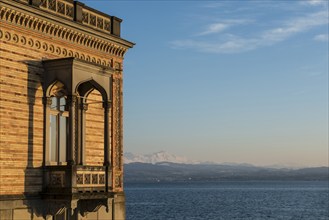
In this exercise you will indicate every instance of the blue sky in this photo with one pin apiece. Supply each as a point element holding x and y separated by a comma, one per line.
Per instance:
<point>226,81</point>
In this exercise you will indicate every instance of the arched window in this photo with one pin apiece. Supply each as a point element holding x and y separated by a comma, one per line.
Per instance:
<point>58,130</point>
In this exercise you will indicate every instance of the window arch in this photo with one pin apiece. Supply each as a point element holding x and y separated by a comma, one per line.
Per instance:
<point>93,113</point>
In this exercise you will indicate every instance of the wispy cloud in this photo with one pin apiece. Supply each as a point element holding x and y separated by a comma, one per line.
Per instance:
<point>315,2</point>
<point>230,46</point>
<point>322,37</point>
<point>221,26</point>
<point>295,26</point>
<point>214,28</point>
<point>235,44</point>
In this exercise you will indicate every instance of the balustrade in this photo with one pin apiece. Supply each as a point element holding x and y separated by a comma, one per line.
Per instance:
<point>79,12</point>
<point>90,177</point>
<point>75,179</point>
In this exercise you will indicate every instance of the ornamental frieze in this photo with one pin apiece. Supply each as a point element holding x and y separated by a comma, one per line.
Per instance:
<point>45,46</point>
<point>62,32</point>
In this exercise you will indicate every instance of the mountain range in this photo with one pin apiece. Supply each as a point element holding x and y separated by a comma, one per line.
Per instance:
<point>166,167</point>
<point>163,156</point>
<point>157,157</point>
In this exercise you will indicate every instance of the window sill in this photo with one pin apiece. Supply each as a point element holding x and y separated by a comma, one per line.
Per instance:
<point>56,163</point>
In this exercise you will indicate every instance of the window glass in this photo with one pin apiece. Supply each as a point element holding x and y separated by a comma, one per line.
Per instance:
<point>53,138</point>
<point>53,103</point>
<point>63,138</point>
<point>62,103</point>
<point>58,130</point>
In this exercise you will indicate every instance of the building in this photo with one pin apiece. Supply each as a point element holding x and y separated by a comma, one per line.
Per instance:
<point>60,111</point>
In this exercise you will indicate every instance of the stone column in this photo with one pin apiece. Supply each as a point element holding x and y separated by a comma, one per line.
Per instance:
<point>81,159</point>
<point>72,143</point>
<point>46,106</point>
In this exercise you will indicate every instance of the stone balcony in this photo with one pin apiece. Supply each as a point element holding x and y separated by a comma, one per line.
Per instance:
<point>76,182</point>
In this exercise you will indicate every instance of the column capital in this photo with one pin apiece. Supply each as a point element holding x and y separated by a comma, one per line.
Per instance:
<point>47,101</point>
<point>83,106</point>
<point>107,104</point>
<point>71,99</point>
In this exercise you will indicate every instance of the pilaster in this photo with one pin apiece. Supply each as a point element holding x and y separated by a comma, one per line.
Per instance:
<point>117,130</point>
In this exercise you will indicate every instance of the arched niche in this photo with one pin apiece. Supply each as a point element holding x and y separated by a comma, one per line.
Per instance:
<point>94,137</point>
<point>93,114</point>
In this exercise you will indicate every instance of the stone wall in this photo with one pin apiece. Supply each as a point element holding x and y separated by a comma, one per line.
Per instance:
<point>21,112</point>
<point>30,34</point>
<point>21,115</point>
<point>94,130</point>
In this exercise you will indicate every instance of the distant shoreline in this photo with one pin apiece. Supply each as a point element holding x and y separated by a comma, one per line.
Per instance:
<point>173,172</point>
<point>221,181</point>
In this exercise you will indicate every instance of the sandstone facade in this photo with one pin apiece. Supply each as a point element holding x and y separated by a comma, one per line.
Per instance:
<point>85,48</point>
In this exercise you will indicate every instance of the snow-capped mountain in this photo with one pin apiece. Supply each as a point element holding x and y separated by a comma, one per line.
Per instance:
<point>163,156</point>
<point>157,157</point>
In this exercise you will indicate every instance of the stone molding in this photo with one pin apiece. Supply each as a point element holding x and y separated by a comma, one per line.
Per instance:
<point>117,135</point>
<point>64,32</point>
<point>46,46</point>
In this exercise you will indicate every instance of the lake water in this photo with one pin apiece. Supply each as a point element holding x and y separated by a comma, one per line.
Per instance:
<point>228,200</point>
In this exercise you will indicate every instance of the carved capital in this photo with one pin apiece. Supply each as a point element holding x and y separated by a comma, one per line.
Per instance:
<point>47,101</point>
<point>84,106</point>
<point>107,104</point>
<point>71,100</point>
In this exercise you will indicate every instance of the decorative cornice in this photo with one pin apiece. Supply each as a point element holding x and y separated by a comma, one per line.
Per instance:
<point>63,32</point>
<point>48,47</point>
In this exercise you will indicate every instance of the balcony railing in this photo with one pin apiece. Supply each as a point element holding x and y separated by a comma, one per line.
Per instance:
<point>79,12</point>
<point>90,178</point>
<point>75,179</point>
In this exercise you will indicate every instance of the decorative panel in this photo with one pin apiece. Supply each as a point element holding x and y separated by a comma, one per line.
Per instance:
<point>96,20</point>
<point>59,7</point>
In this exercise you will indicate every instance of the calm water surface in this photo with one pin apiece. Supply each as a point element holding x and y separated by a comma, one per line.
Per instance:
<point>228,200</point>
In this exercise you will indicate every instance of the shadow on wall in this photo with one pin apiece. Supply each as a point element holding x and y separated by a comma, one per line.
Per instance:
<point>33,176</point>
<point>33,171</point>
<point>35,148</point>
